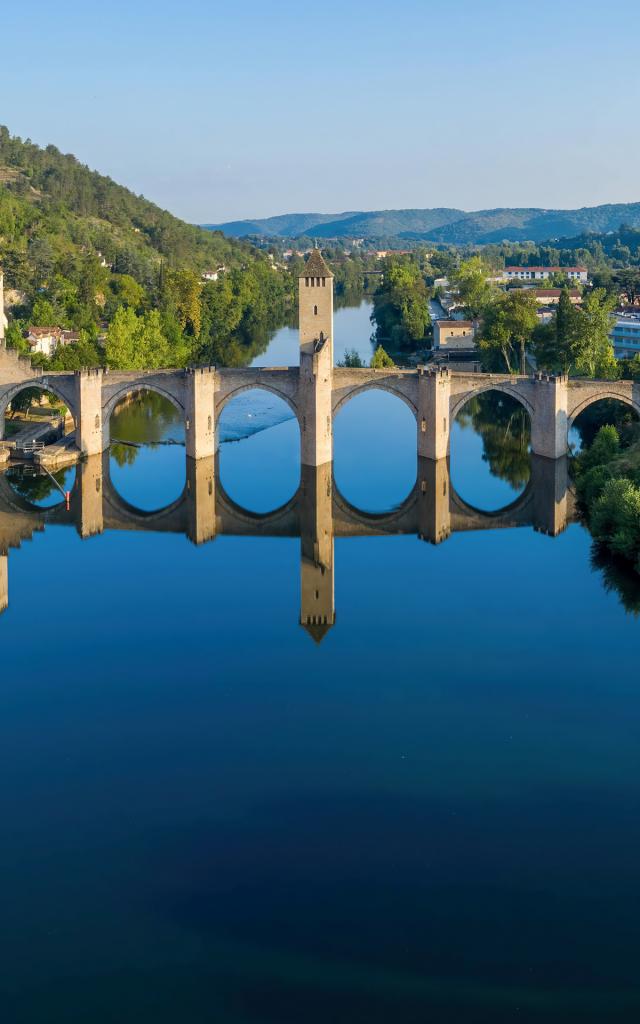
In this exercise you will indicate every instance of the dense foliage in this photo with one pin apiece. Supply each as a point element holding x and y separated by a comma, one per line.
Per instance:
<point>608,484</point>
<point>81,252</point>
<point>401,304</point>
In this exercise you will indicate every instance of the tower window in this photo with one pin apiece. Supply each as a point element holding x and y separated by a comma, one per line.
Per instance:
<point>315,310</point>
<point>323,282</point>
<point>306,282</point>
<point>313,281</point>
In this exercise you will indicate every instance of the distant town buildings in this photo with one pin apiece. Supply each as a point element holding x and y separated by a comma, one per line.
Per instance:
<point>551,296</point>
<point>544,273</point>
<point>625,335</point>
<point>458,335</point>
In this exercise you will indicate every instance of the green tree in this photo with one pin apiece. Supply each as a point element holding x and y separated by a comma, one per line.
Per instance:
<point>120,346</point>
<point>473,288</point>
<point>508,325</point>
<point>184,289</point>
<point>401,304</point>
<point>593,350</point>
<point>381,360</point>
<point>554,343</point>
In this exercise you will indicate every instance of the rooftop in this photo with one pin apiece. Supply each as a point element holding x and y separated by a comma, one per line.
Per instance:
<point>455,323</point>
<point>555,293</point>
<point>551,270</point>
<point>45,332</point>
<point>315,266</point>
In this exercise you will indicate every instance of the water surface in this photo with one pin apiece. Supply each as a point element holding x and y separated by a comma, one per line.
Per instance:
<point>431,815</point>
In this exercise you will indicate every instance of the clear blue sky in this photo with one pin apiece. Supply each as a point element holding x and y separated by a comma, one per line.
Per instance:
<point>240,109</point>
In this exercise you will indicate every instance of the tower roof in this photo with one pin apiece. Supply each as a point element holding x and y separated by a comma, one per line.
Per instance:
<point>315,266</point>
<point>317,630</point>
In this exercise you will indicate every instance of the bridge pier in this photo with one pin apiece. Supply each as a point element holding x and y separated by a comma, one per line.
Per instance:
<point>199,425</point>
<point>434,503</point>
<point>90,513</point>
<point>550,424</point>
<point>434,400</point>
<point>4,583</point>
<point>88,394</point>
<point>201,499</point>
<point>550,482</point>
<point>317,603</point>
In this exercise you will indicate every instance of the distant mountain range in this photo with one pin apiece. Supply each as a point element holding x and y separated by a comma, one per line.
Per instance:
<point>441,224</point>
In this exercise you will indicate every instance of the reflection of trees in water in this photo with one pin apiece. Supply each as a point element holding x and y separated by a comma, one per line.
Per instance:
<point>144,418</point>
<point>606,412</point>
<point>250,342</point>
<point>35,486</point>
<point>504,427</point>
<point>619,577</point>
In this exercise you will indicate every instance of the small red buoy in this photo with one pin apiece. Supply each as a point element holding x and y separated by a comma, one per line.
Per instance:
<point>67,495</point>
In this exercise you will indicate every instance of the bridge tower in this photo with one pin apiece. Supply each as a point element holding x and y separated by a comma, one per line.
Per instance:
<point>549,426</point>
<point>434,501</point>
<point>89,427</point>
<point>90,510</point>
<point>4,583</point>
<point>434,398</point>
<point>317,606</point>
<point>201,499</point>
<point>199,424</point>
<point>315,294</point>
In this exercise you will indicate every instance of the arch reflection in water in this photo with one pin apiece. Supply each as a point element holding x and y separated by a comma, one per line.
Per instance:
<point>316,515</point>
<point>490,451</point>
<point>147,450</point>
<point>375,451</point>
<point>259,454</point>
<point>39,488</point>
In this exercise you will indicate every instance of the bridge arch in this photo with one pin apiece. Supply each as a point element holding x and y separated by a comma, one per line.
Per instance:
<point>134,388</point>
<point>261,475</point>
<point>459,401</point>
<point>224,400</point>
<point>373,385</point>
<point>604,394</point>
<point>43,384</point>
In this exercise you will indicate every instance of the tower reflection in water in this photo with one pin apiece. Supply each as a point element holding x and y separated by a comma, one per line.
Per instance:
<point>316,514</point>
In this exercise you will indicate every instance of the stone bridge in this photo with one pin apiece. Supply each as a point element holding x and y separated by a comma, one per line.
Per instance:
<point>316,391</point>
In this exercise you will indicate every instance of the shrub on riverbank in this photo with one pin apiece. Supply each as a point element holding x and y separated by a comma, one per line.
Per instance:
<point>608,485</point>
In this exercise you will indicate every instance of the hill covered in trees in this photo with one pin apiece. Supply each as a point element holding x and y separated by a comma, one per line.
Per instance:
<point>51,198</point>
<point>80,251</point>
<point>443,225</point>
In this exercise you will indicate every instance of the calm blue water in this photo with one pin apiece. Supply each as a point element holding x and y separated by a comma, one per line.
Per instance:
<point>433,815</point>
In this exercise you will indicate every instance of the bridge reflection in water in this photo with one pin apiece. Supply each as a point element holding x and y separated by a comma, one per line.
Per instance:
<point>317,514</point>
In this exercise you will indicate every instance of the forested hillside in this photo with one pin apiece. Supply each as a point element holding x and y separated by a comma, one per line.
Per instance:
<point>82,252</point>
<point>447,226</point>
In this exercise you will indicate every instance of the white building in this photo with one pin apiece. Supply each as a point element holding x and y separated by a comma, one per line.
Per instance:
<point>212,275</point>
<point>579,274</point>
<point>44,340</point>
<point>625,336</point>
<point>453,334</point>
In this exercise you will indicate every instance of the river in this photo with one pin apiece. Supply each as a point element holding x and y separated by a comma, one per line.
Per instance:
<point>431,815</point>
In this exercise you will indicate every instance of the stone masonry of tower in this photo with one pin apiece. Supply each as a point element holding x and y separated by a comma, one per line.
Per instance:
<point>315,298</point>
